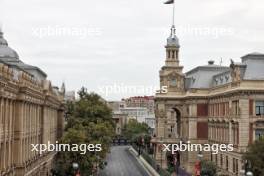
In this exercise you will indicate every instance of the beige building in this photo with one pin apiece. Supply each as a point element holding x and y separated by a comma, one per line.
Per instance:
<point>209,104</point>
<point>119,117</point>
<point>31,112</point>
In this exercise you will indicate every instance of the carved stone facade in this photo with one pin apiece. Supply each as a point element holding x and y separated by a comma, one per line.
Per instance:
<point>209,104</point>
<point>31,112</point>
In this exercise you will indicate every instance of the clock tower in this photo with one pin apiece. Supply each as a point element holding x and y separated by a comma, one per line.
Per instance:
<point>171,75</point>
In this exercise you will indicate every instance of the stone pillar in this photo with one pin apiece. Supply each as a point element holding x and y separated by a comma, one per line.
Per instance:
<point>18,126</point>
<point>230,133</point>
<point>60,123</point>
<point>244,123</point>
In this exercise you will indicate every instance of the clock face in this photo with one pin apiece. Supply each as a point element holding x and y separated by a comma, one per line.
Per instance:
<point>173,82</point>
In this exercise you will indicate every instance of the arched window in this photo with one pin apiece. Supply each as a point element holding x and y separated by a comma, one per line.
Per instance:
<point>173,54</point>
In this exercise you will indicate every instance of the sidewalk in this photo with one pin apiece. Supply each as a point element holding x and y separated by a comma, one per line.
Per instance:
<point>150,169</point>
<point>143,162</point>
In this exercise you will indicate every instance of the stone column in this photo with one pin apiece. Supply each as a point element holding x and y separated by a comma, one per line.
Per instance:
<point>230,133</point>
<point>244,123</point>
<point>18,126</point>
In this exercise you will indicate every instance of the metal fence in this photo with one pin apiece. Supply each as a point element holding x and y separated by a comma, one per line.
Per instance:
<point>152,162</point>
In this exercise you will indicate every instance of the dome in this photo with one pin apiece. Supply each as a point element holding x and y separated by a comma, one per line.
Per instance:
<point>5,50</point>
<point>173,39</point>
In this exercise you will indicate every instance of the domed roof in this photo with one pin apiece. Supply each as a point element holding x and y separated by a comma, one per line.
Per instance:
<point>5,50</point>
<point>173,39</point>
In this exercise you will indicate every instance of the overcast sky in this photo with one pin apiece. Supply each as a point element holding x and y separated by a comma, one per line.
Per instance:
<point>121,42</point>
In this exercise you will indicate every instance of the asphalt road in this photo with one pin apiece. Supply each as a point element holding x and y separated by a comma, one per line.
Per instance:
<point>120,162</point>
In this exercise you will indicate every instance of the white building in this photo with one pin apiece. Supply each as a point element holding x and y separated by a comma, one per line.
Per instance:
<point>137,113</point>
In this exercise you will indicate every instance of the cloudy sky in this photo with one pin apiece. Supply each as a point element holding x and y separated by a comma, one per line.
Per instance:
<point>120,43</point>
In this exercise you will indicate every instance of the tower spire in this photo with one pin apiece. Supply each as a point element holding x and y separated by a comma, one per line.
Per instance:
<point>173,31</point>
<point>172,47</point>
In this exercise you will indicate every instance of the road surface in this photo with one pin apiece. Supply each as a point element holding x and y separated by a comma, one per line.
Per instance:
<point>120,162</point>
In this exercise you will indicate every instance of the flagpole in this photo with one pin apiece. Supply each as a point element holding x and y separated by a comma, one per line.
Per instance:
<point>173,14</point>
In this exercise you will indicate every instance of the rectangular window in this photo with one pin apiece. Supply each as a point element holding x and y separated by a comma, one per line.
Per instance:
<point>227,164</point>
<point>235,107</point>
<point>234,165</point>
<point>202,110</point>
<point>259,134</point>
<point>202,130</point>
<point>259,108</point>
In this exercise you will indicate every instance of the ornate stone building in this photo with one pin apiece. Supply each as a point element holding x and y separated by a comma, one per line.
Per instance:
<point>209,104</point>
<point>31,112</point>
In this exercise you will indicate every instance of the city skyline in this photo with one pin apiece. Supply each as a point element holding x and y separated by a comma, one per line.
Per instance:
<point>122,44</point>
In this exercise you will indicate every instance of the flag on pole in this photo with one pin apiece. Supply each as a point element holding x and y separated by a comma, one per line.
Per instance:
<point>169,2</point>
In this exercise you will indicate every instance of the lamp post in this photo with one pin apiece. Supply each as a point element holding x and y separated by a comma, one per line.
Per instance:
<point>75,167</point>
<point>140,143</point>
<point>247,169</point>
<point>249,173</point>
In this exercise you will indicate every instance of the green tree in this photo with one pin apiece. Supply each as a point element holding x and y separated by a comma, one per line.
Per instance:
<point>255,156</point>
<point>208,168</point>
<point>92,107</point>
<point>90,122</point>
<point>135,130</point>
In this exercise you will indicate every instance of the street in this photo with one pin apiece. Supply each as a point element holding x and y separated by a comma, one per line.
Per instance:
<point>120,162</point>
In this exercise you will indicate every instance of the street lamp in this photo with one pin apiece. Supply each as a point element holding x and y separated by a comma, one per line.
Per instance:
<point>247,168</point>
<point>140,143</point>
<point>246,171</point>
<point>249,173</point>
<point>75,167</point>
<point>200,156</point>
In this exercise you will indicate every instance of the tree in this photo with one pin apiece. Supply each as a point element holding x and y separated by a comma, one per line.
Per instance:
<point>90,122</point>
<point>208,168</point>
<point>135,130</point>
<point>255,156</point>
<point>92,107</point>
